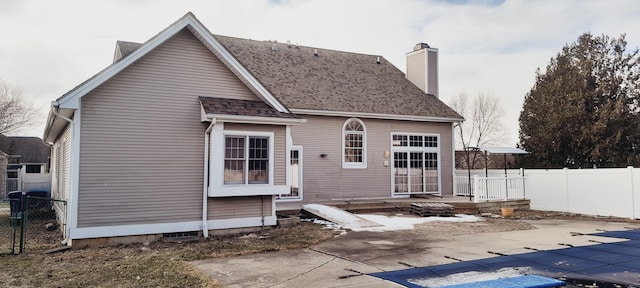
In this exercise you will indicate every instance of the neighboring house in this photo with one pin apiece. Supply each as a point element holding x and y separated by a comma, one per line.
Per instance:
<point>23,156</point>
<point>494,161</point>
<point>195,132</point>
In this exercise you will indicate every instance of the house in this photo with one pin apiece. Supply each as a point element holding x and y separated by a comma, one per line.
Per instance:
<point>22,157</point>
<point>192,132</point>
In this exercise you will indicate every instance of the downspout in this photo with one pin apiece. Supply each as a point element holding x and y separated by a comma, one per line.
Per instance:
<point>54,108</point>
<point>205,183</point>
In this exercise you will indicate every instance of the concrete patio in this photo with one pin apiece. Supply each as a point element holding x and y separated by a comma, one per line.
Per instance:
<point>342,261</point>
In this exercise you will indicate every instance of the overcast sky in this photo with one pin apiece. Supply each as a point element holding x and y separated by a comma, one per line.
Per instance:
<point>493,46</point>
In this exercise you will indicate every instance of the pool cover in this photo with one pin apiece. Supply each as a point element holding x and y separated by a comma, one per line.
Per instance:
<point>606,264</point>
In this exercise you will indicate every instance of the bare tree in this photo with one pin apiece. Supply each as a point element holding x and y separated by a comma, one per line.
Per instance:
<point>482,127</point>
<point>16,112</point>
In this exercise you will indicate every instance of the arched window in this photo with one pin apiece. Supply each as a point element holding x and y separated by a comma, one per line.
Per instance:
<point>354,144</point>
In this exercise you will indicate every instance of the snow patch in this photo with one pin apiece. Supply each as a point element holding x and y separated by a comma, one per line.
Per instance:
<point>378,223</point>
<point>390,223</point>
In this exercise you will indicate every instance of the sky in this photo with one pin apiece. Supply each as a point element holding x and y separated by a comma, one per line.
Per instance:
<point>485,46</point>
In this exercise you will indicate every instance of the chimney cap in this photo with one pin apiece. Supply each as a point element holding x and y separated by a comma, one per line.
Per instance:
<point>420,46</point>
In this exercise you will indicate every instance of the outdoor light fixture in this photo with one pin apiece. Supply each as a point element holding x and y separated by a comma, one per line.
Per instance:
<point>323,155</point>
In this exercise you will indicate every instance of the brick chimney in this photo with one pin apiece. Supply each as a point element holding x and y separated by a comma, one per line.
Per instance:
<point>422,68</point>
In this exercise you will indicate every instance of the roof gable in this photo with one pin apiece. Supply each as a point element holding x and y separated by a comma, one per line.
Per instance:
<point>70,100</point>
<point>306,78</point>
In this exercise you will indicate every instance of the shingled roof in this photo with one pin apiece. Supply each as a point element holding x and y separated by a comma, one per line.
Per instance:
<point>30,149</point>
<point>333,80</point>
<point>319,79</point>
<point>226,106</point>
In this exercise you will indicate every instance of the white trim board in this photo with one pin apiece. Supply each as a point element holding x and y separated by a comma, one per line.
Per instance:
<point>374,115</point>
<point>134,229</point>
<point>157,228</point>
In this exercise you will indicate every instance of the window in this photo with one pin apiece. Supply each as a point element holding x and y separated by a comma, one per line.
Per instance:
<point>354,142</point>
<point>12,175</point>
<point>33,168</point>
<point>246,159</point>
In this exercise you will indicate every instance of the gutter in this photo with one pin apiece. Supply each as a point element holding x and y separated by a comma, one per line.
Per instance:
<point>205,183</point>
<point>54,109</point>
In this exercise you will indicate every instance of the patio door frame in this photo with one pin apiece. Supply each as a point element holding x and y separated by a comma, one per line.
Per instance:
<point>409,150</point>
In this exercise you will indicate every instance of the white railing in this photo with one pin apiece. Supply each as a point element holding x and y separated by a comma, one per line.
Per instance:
<point>490,188</point>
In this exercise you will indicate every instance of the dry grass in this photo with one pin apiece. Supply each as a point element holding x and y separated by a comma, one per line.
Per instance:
<point>158,264</point>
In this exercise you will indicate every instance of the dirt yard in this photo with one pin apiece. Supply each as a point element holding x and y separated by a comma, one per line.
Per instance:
<point>158,264</point>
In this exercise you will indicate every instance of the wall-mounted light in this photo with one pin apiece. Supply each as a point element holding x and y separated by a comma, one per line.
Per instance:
<point>386,154</point>
<point>323,155</point>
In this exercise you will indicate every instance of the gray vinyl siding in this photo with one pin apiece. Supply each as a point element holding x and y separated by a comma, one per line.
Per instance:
<point>325,179</point>
<point>239,207</point>
<point>279,141</point>
<point>142,142</point>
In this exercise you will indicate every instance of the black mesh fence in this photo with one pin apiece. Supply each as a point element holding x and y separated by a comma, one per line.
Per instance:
<point>9,227</point>
<point>30,223</point>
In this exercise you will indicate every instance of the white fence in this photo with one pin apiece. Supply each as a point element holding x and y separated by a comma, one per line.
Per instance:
<point>495,186</point>
<point>604,191</point>
<point>36,182</point>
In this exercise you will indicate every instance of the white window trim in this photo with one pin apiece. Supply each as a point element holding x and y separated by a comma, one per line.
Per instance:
<point>217,188</point>
<point>436,150</point>
<point>355,165</point>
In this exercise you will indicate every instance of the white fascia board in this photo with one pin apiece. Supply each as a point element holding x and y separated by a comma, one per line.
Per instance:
<point>374,115</point>
<point>72,98</point>
<point>49,125</point>
<point>254,119</point>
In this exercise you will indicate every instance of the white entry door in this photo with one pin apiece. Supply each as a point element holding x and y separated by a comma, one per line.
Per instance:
<point>295,170</point>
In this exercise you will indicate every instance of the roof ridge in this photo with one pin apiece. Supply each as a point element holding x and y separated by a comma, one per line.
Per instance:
<point>300,46</point>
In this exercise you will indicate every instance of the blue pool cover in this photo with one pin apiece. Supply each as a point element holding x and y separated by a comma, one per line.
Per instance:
<point>608,264</point>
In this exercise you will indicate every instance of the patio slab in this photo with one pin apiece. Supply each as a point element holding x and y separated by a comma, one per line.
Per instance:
<point>369,252</point>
